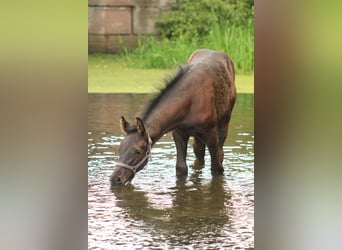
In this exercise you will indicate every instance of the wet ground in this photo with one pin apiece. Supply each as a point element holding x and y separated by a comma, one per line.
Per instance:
<point>159,211</point>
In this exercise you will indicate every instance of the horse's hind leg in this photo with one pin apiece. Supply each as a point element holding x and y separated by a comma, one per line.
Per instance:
<point>199,150</point>
<point>181,141</point>
<point>212,141</point>
<point>222,135</point>
<point>222,129</point>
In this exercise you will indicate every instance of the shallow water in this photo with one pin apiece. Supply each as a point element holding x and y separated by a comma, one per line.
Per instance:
<point>159,211</point>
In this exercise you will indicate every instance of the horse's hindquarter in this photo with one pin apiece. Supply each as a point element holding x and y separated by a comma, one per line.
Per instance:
<point>213,90</point>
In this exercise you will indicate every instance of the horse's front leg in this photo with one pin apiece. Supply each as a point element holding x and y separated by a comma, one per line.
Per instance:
<point>181,141</point>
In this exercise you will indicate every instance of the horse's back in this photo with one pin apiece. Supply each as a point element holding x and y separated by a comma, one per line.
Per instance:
<point>215,59</point>
<point>219,68</point>
<point>205,54</point>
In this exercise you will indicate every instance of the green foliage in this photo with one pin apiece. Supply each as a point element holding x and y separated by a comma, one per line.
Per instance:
<point>191,19</point>
<point>225,25</point>
<point>164,54</point>
<point>237,42</point>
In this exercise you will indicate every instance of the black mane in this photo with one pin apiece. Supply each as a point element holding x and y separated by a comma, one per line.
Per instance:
<point>168,85</point>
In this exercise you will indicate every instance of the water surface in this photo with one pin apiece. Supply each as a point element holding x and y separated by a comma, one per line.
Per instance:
<point>159,211</point>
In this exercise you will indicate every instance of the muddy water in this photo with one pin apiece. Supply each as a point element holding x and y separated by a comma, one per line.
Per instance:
<point>157,211</point>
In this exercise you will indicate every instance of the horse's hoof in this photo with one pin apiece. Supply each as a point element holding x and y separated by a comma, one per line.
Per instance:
<point>217,172</point>
<point>198,164</point>
<point>180,172</point>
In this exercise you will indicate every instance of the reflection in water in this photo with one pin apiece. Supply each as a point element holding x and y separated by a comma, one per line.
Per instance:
<point>197,211</point>
<point>158,211</point>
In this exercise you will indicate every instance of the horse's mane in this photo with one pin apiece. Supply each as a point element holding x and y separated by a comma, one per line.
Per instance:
<point>169,83</point>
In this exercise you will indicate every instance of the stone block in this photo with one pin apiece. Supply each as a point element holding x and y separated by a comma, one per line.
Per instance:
<point>118,20</point>
<point>110,43</point>
<point>123,3</point>
<point>147,3</point>
<point>114,24</point>
<point>96,43</point>
<point>116,44</point>
<point>144,20</point>
<point>96,20</point>
<point>120,3</point>
<point>109,20</point>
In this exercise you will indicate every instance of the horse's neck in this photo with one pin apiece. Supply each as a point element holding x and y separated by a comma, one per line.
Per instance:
<point>164,118</point>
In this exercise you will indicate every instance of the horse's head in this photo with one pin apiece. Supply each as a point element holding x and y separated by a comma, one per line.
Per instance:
<point>134,151</point>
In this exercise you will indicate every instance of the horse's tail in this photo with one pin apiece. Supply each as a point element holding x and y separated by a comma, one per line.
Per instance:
<point>231,76</point>
<point>231,68</point>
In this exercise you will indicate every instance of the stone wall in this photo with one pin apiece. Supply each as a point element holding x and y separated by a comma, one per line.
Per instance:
<point>113,23</point>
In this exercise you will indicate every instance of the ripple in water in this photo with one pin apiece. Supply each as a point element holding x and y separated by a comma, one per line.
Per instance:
<point>157,211</point>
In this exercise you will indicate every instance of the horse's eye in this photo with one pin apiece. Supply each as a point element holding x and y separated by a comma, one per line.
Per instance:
<point>138,152</point>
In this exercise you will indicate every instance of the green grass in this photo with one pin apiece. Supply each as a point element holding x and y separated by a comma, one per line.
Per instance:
<point>112,74</point>
<point>237,42</point>
<point>142,70</point>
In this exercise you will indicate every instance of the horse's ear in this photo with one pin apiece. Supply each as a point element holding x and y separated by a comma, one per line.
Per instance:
<point>123,124</point>
<point>140,126</point>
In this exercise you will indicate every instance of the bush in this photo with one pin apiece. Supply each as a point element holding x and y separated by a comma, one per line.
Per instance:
<point>237,42</point>
<point>189,25</point>
<point>194,19</point>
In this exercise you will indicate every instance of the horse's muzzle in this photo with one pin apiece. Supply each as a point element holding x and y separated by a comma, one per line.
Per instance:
<point>115,181</point>
<point>121,176</point>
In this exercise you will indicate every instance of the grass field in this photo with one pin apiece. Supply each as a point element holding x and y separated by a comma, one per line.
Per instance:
<point>108,74</point>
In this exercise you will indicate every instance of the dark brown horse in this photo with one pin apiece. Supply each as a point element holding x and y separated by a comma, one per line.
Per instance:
<point>197,102</point>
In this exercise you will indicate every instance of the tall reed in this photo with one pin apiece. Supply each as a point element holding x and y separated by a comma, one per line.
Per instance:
<point>237,42</point>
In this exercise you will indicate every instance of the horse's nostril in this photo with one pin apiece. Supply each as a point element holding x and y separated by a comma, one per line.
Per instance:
<point>116,180</point>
